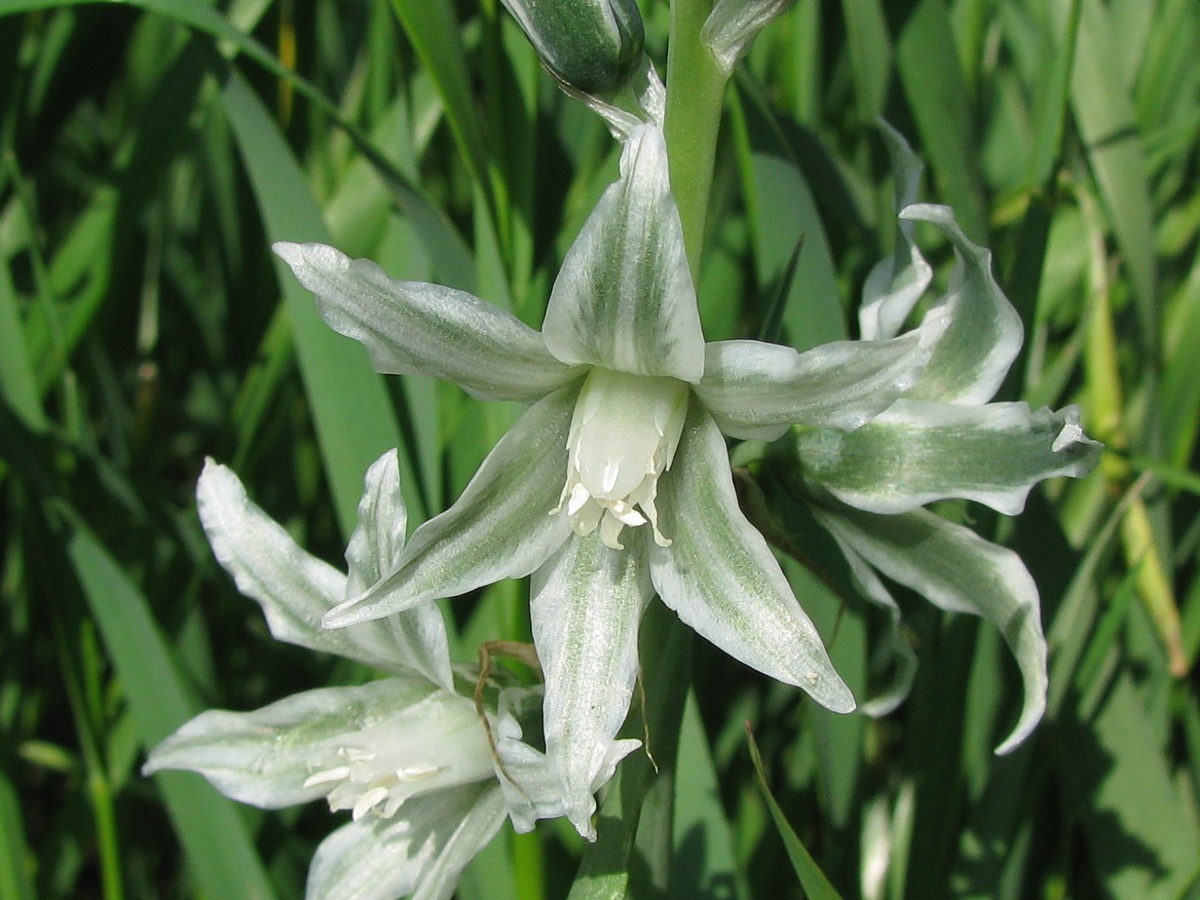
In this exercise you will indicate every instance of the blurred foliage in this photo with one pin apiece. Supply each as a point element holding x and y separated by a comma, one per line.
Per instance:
<point>150,151</point>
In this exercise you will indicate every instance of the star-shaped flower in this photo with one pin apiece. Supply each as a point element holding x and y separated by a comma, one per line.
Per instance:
<point>616,483</point>
<point>408,755</point>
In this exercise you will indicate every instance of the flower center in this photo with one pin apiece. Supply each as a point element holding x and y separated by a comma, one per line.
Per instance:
<point>623,437</point>
<point>427,747</point>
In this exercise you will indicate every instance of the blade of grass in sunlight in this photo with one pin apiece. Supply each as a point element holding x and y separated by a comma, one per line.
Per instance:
<point>812,879</point>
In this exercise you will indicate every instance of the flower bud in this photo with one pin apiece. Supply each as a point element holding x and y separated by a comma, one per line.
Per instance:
<point>591,45</point>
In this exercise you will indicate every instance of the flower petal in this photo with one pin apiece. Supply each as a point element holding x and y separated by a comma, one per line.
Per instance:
<point>586,603</point>
<point>720,577</point>
<point>734,24</point>
<point>985,331</point>
<point>958,571</point>
<point>917,452</point>
<point>374,551</point>
<point>895,284</point>
<point>532,788</point>
<point>412,327</point>
<point>503,526</point>
<point>265,757</point>
<point>905,660</point>
<point>755,390</point>
<point>422,851</point>
<point>624,298</point>
<point>294,588</point>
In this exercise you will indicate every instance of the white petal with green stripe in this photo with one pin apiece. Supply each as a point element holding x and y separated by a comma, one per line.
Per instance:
<point>374,551</point>
<point>586,604</point>
<point>896,283</point>
<point>293,587</point>
<point>917,452</point>
<point>422,854</point>
<point>985,332</point>
<point>410,327</point>
<point>720,577</point>
<point>624,298</point>
<point>755,390</point>
<point>506,523</point>
<point>958,571</point>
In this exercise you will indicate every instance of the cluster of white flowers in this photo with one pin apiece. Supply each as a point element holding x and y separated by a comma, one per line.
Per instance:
<point>615,487</point>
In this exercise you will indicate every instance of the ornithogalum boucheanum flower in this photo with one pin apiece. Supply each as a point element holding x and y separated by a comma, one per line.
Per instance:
<point>616,483</point>
<point>943,439</point>
<point>407,755</point>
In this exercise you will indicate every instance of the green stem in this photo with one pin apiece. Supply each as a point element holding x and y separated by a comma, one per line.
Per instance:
<point>695,98</point>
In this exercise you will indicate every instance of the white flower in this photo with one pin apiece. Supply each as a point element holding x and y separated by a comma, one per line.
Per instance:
<point>407,755</point>
<point>943,439</point>
<point>622,448</point>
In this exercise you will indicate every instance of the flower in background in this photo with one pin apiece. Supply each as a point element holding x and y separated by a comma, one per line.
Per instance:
<point>408,755</point>
<point>943,439</point>
<point>616,483</point>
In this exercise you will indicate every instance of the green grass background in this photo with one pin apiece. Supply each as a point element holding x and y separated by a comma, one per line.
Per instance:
<point>150,151</point>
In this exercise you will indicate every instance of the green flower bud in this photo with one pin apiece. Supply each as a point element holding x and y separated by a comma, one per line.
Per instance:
<point>590,45</point>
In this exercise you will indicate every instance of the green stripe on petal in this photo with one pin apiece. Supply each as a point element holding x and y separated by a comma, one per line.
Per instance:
<point>917,452</point>
<point>755,390</point>
<point>265,757</point>
<point>624,298</point>
<point>985,332</point>
<point>410,327</point>
<point>293,587</point>
<point>419,634</point>
<point>506,523</point>
<point>720,577</point>
<point>587,601</point>
<point>958,571</point>
<point>422,853</point>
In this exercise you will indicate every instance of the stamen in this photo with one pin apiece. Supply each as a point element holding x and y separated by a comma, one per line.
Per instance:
<point>327,777</point>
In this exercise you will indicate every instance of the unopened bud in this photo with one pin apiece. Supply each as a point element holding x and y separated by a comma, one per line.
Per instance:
<point>593,46</point>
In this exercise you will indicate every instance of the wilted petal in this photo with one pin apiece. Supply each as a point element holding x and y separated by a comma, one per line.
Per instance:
<point>374,551</point>
<point>624,298</point>
<point>958,571</point>
<point>586,603</point>
<point>294,588</point>
<point>917,452</point>
<point>720,577</point>
<point>755,390</point>
<point>895,284</point>
<point>733,24</point>
<point>503,525</point>
<point>266,757</point>
<point>421,853</point>
<point>985,332</point>
<point>410,327</point>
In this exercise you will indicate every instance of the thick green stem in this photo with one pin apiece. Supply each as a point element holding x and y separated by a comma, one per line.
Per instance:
<point>695,98</point>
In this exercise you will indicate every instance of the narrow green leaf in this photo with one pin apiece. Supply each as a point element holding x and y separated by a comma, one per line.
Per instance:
<point>218,843</point>
<point>870,55</point>
<point>433,30</point>
<point>16,870</point>
<point>934,85</point>
<point>1106,119</point>
<point>812,879</point>
<point>703,863</point>
<point>354,417</point>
